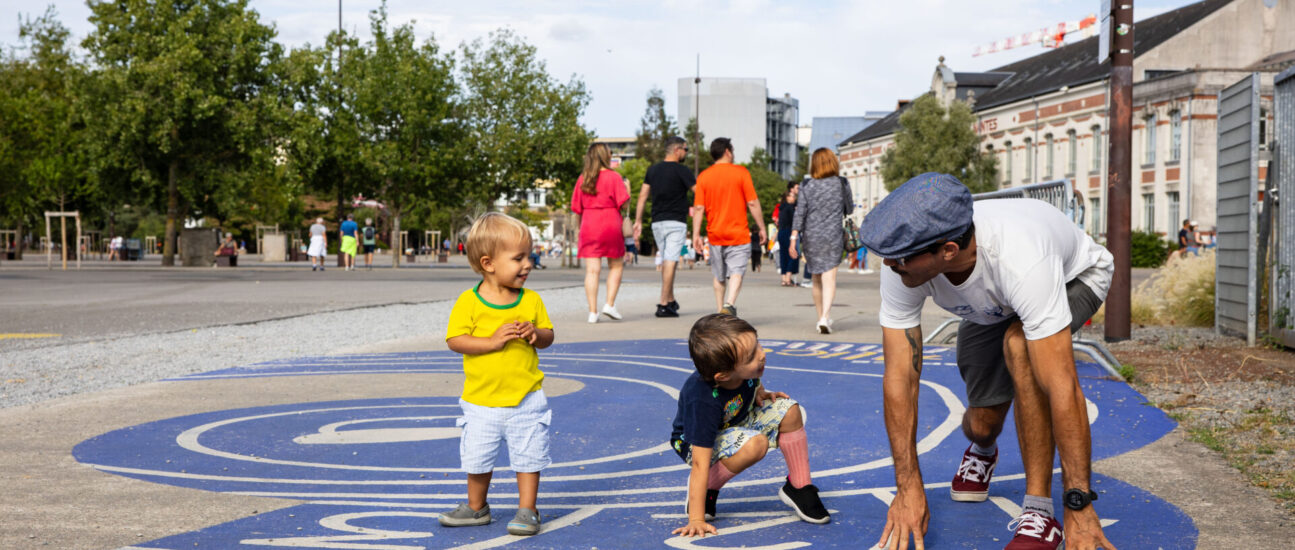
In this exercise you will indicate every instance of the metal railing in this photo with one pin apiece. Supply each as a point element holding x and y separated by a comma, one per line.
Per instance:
<point>1061,194</point>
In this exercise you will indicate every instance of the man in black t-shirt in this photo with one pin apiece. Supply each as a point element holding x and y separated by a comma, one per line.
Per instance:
<point>668,182</point>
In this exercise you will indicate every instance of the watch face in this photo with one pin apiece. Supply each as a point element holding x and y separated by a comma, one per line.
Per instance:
<point>1076,499</point>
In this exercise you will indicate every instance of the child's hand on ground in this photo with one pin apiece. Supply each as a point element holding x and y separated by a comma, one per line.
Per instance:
<point>761,395</point>
<point>526,331</point>
<point>696,529</point>
<point>503,334</point>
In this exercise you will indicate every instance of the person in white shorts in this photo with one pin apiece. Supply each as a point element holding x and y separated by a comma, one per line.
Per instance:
<point>668,183</point>
<point>318,245</point>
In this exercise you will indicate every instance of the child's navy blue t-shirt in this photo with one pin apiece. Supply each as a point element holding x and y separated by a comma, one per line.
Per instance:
<point>705,410</point>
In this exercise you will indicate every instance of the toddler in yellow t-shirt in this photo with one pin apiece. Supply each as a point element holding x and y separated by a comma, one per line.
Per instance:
<point>497,326</point>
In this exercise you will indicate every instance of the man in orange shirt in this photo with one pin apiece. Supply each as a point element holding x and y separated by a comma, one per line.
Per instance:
<point>724,194</point>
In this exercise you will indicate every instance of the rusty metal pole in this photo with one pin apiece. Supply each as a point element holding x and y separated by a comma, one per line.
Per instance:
<point>1119,186</point>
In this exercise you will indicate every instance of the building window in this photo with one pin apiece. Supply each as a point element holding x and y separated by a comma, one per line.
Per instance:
<point>1049,144</point>
<point>1150,148</point>
<point>1073,148</point>
<point>1175,136</point>
<point>1148,212</point>
<point>1029,159</point>
<point>1263,128</point>
<point>1007,164</point>
<point>1171,210</point>
<point>1095,218</point>
<point>1098,142</point>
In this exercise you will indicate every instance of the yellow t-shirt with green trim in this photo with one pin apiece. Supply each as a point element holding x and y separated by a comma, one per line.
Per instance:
<point>499,378</point>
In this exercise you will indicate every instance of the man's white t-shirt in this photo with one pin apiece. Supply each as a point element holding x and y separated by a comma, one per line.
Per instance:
<point>1026,252</point>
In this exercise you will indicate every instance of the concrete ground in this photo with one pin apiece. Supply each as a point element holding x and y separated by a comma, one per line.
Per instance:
<point>52,501</point>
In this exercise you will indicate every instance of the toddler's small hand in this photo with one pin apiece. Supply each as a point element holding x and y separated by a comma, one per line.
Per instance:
<point>526,331</point>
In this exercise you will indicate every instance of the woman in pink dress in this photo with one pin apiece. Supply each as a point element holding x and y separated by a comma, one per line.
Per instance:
<point>598,197</point>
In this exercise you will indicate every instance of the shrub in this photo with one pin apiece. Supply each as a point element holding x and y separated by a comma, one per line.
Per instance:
<point>1181,293</point>
<point>1147,249</point>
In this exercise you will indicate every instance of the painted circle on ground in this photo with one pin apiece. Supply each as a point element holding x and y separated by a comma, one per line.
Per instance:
<point>375,464</point>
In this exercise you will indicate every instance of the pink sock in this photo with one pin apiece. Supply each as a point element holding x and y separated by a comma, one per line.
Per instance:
<point>795,448</point>
<point>719,475</point>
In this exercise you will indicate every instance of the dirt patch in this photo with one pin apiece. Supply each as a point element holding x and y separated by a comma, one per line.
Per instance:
<point>1234,399</point>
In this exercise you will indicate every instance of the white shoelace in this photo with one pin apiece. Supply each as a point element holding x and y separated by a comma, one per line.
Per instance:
<point>1030,523</point>
<point>973,469</point>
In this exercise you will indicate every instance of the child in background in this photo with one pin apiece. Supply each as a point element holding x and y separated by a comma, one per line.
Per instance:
<point>727,421</point>
<point>497,326</point>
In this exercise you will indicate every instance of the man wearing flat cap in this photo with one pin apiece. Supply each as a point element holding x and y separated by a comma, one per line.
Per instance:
<point>1022,277</point>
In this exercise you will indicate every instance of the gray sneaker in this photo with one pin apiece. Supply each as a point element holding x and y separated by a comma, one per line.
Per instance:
<point>465,516</point>
<point>525,523</point>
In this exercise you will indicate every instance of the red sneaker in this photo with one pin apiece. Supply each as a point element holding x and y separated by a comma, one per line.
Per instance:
<point>1035,531</point>
<point>971,484</point>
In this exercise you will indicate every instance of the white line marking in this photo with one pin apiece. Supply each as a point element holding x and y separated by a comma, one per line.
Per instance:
<point>340,522</point>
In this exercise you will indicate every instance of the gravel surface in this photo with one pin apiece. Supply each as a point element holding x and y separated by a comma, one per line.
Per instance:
<point>1236,400</point>
<point>38,371</point>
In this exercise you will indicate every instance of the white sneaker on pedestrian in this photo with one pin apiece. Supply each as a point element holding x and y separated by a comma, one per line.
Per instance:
<point>807,284</point>
<point>610,311</point>
<point>593,318</point>
<point>824,326</point>
<point>867,272</point>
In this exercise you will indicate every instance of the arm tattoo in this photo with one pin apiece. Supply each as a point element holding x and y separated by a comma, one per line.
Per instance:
<point>915,347</point>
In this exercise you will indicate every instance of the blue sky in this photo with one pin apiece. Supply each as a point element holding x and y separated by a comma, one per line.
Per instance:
<point>837,57</point>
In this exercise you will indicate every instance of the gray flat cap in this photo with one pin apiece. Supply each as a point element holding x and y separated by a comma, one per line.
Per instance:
<point>927,209</point>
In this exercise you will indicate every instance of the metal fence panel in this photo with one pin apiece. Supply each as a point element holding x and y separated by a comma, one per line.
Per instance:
<point>1059,193</point>
<point>1236,296</point>
<point>1281,172</point>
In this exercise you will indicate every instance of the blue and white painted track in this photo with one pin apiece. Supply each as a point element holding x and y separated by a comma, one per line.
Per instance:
<point>374,473</point>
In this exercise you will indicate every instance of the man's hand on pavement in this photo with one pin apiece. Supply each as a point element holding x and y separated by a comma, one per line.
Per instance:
<point>1084,531</point>
<point>908,516</point>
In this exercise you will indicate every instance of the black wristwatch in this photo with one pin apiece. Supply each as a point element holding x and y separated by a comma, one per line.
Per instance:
<point>1078,499</point>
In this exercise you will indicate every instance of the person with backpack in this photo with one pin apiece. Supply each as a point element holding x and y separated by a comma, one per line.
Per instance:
<point>369,236</point>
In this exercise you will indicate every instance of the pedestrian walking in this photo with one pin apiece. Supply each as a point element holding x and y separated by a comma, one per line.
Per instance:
<point>821,207</point>
<point>788,265</point>
<point>599,194</point>
<point>667,183</point>
<point>1023,277</point>
<point>723,196</point>
<point>347,232</point>
<point>318,245</point>
<point>370,237</point>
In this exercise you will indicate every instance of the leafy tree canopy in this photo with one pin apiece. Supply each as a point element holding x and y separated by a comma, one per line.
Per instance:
<point>655,126</point>
<point>932,138</point>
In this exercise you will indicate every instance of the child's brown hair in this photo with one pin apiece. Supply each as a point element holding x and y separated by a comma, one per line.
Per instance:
<point>715,344</point>
<point>490,232</point>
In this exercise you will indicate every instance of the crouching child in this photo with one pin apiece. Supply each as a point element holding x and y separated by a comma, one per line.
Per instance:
<point>727,422</point>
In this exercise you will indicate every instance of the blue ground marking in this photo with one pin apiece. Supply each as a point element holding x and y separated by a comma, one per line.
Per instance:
<point>391,464</point>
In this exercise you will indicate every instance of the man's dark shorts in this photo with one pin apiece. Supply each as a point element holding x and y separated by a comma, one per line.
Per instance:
<point>368,248</point>
<point>980,349</point>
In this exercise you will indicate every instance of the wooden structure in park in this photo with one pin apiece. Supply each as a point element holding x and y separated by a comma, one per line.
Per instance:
<point>49,247</point>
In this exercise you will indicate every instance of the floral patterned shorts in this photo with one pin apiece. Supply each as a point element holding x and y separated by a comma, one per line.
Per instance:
<point>762,420</point>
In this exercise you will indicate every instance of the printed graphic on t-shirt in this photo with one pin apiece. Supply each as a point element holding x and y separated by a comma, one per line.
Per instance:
<point>731,408</point>
<point>963,310</point>
<point>994,311</point>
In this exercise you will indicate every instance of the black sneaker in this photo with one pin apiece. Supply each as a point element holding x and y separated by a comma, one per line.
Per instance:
<point>673,305</point>
<point>805,502</point>
<point>711,496</point>
<point>665,311</point>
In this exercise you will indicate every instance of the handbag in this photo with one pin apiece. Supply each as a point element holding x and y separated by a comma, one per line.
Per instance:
<point>849,232</point>
<point>627,228</point>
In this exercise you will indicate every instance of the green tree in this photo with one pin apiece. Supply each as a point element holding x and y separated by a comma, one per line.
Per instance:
<point>177,105</point>
<point>932,138</point>
<point>41,128</point>
<point>524,125</point>
<point>323,145</point>
<point>411,138</point>
<point>699,150</point>
<point>655,126</point>
<point>802,163</point>
<point>769,186</point>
